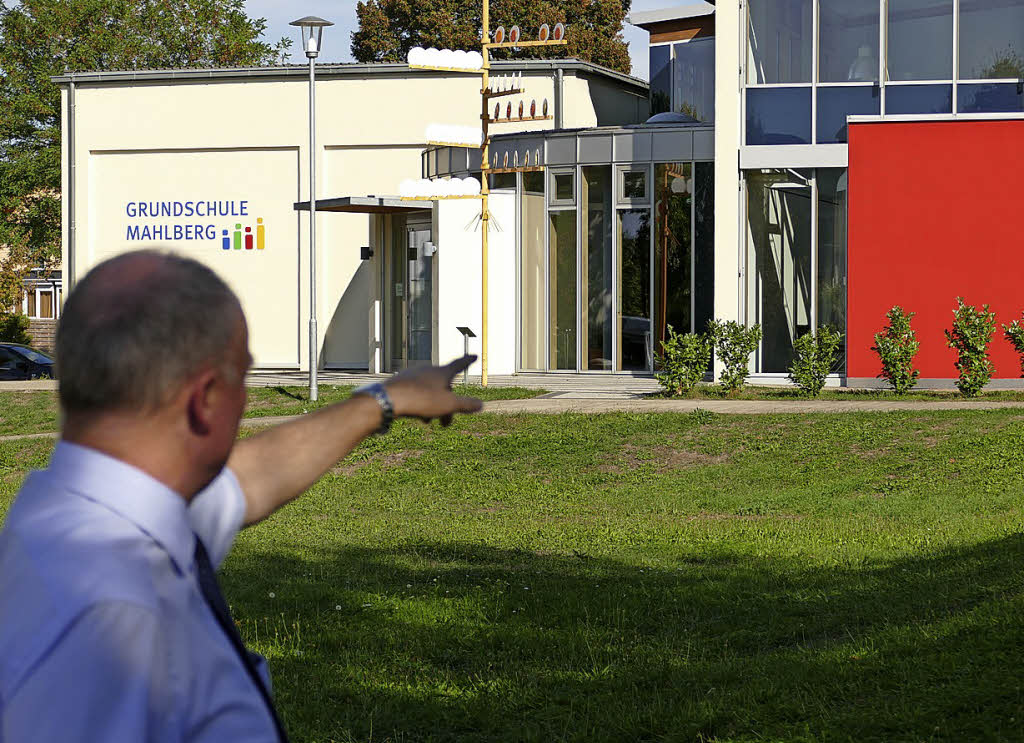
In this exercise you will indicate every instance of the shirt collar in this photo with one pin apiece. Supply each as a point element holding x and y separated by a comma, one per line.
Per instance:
<point>158,511</point>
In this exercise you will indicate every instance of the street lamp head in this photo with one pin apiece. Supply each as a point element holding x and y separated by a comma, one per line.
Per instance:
<point>312,33</point>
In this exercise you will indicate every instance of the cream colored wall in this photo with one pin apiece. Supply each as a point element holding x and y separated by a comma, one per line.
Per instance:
<point>224,140</point>
<point>457,230</point>
<point>727,175</point>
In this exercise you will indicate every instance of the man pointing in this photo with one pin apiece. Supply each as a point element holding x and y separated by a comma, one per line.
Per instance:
<point>112,625</point>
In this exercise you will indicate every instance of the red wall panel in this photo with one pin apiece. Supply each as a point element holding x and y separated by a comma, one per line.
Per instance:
<point>936,211</point>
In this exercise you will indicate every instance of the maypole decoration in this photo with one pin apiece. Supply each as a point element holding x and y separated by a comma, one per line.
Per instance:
<point>479,63</point>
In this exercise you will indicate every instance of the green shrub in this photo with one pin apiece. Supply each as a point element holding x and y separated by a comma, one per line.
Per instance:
<point>971,335</point>
<point>815,357</point>
<point>684,361</point>
<point>14,329</point>
<point>733,345</point>
<point>896,346</point>
<point>1014,332</point>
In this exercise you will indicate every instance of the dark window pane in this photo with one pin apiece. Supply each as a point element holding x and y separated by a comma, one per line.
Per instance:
<point>919,99</point>
<point>562,247</point>
<point>832,190</point>
<point>704,244</point>
<point>991,39</point>
<point>503,180</point>
<point>673,190</point>
<point>835,104</point>
<point>694,79</point>
<point>661,79</point>
<point>596,255</point>
<point>563,187</point>
<point>920,39</point>
<point>849,41</point>
<point>780,42</point>
<point>991,98</point>
<point>635,349</point>
<point>778,116</point>
<point>634,184</point>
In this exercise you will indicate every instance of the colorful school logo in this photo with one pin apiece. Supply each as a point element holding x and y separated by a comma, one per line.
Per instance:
<point>194,221</point>
<point>238,239</point>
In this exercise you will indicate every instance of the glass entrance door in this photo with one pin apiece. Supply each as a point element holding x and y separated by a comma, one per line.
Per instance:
<point>421,297</point>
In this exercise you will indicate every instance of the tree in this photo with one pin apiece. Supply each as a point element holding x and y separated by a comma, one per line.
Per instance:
<point>388,29</point>
<point>40,39</point>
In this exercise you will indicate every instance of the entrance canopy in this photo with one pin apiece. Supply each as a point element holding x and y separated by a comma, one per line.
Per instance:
<point>363,205</point>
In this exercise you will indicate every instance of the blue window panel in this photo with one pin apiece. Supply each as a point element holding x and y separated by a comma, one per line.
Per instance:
<point>778,116</point>
<point>661,79</point>
<point>990,98</point>
<point>919,99</point>
<point>835,104</point>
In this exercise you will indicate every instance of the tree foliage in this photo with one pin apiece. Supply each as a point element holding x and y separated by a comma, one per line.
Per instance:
<point>388,29</point>
<point>40,39</point>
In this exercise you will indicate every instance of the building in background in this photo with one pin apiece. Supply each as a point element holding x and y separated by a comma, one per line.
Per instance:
<point>798,163</point>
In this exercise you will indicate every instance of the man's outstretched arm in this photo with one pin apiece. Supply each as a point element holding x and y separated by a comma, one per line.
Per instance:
<point>278,465</point>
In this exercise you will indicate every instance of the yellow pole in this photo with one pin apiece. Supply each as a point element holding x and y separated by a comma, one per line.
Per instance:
<point>485,215</point>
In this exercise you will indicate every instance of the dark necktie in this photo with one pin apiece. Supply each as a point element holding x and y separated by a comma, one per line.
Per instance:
<point>211,592</point>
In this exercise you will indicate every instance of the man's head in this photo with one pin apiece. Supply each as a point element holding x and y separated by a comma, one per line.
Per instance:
<point>157,338</point>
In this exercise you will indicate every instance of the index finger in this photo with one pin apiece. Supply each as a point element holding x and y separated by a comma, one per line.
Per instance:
<point>459,365</point>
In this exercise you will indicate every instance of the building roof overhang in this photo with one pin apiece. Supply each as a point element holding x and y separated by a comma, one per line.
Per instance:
<point>681,12</point>
<point>364,205</point>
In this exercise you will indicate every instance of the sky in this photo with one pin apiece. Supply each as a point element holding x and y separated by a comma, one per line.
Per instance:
<point>337,39</point>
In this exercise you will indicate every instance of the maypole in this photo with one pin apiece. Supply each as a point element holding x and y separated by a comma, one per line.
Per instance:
<point>446,60</point>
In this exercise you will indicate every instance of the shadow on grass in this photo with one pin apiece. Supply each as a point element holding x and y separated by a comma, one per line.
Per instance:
<point>454,641</point>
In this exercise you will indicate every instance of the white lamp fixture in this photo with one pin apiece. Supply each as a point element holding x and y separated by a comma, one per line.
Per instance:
<point>312,36</point>
<point>312,33</point>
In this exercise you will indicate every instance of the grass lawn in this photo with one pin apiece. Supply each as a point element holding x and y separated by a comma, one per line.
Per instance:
<point>36,412</point>
<point>626,577</point>
<point>757,392</point>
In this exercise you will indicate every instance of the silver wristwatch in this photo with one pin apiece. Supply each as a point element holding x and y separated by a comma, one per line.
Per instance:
<point>379,393</point>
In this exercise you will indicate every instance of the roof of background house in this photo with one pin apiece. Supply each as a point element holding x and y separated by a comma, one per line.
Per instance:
<point>687,9</point>
<point>332,70</point>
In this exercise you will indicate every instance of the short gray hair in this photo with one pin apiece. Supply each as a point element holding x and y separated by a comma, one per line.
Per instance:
<point>137,327</point>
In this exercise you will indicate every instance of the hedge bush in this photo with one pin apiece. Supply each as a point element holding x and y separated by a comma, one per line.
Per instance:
<point>733,345</point>
<point>1014,333</point>
<point>14,329</point>
<point>971,335</point>
<point>685,359</point>
<point>896,346</point>
<point>814,359</point>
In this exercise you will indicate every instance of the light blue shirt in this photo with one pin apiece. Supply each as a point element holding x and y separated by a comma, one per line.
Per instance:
<point>104,634</point>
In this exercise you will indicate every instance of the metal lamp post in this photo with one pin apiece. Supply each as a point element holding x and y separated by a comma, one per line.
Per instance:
<point>312,36</point>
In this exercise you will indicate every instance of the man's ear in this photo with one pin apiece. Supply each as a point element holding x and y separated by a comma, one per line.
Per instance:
<point>201,402</point>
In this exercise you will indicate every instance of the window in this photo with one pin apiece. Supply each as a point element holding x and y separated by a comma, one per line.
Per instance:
<point>693,79</point>
<point>633,185</point>
<point>848,41</point>
<point>532,274</point>
<point>661,78</point>
<point>597,257</point>
<point>836,103</point>
<point>990,98</point>
<point>673,250</point>
<point>991,39</point>
<point>920,40</point>
<point>919,99</point>
<point>832,190</point>
<point>780,43</point>
<point>562,245</point>
<point>562,191</point>
<point>778,116</point>
<point>634,326</point>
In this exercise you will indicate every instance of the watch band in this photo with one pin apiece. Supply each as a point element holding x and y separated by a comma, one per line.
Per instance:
<point>379,393</point>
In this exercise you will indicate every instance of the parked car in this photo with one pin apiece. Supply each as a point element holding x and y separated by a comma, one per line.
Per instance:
<point>22,362</point>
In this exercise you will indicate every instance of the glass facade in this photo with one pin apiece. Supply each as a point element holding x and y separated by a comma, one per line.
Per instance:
<point>661,79</point>
<point>780,41</point>
<point>605,269</point>
<point>937,55</point>
<point>693,79</point>
<point>795,259</point>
